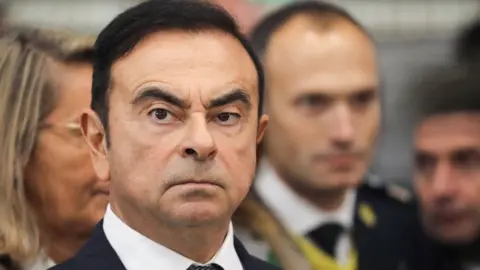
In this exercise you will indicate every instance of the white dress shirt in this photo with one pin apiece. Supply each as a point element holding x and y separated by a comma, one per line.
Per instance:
<point>138,252</point>
<point>299,215</point>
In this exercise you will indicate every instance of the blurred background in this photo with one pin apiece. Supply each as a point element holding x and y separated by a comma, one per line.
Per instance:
<point>411,34</point>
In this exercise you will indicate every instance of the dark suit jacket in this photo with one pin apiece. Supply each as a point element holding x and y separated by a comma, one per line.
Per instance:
<point>396,240</point>
<point>98,254</point>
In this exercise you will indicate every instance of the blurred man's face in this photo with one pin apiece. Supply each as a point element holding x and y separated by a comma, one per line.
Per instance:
<point>323,104</point>
<point>447,175</point>
<point>183,123</point>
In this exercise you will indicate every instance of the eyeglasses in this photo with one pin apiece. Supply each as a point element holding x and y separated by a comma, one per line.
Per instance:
<point>73,128</point>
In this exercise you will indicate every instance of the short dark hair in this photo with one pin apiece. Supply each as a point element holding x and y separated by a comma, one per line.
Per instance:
<point>122,34</point>
<point>467,46</point>
<point>444,90</point>
<point>263,31</point>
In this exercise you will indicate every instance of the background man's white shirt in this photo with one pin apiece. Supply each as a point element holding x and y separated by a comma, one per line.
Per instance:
<point>297,214</point>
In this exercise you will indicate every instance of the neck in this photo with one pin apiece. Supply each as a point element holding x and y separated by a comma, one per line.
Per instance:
<point>60,248</point>
<point>328,200</point>
<point>324,199</point>
<point>199,243</point>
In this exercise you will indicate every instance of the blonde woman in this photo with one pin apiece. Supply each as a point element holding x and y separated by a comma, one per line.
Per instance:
<point>50,199</point>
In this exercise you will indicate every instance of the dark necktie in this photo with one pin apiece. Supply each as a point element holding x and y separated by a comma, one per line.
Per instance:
<point>326,236</point>
<point>212,266</point>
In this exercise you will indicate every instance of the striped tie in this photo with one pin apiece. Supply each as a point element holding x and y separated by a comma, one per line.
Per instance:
<point>212,266</point>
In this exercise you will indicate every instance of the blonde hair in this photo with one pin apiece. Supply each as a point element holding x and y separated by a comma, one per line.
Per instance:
<point>26,98</point>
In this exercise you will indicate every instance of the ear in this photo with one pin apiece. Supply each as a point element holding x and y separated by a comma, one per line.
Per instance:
<point>95,136</point>
<point>262,125</point>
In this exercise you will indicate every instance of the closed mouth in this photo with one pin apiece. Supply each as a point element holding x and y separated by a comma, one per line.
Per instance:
<point>103,192</point>
<point>196,182</point>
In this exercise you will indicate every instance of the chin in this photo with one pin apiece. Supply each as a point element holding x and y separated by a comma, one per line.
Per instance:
<point>456,235</point>
<point>199,214</point>
<point>345,181</point>
<point>456,238</point>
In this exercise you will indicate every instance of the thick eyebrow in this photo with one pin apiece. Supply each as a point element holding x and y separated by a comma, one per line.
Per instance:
<point>236,95</point>
<point>156,93</point>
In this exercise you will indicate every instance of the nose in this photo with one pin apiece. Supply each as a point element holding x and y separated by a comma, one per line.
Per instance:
<point>198,143</point>
<point>341,126</point>
<point>442,183</point>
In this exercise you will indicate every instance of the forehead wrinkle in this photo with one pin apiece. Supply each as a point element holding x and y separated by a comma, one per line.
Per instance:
<point>174,69</point>
<point>206,98</point>
<point>244,82</point>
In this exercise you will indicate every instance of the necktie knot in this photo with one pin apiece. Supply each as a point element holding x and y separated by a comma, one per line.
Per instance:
<point>327,236</point>
<point>212,266</point>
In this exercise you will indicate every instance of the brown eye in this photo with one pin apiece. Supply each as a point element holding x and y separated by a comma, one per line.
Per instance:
<point>313,101</point>
<point>362,99</point>
<point>160,115</point>
<point>466,159</point>
<point>226,118</point>
<point>425,164</point>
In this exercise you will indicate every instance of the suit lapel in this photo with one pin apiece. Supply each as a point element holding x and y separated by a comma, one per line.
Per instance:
<point>248,261</point>
<point>98,254</point>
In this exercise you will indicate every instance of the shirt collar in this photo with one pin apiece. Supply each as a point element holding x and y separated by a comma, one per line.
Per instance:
<point>298,214</point>
<point>148,254</point>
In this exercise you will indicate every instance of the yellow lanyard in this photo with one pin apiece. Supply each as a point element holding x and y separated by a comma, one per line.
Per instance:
<point>322,261</point>
<point>319,260</point>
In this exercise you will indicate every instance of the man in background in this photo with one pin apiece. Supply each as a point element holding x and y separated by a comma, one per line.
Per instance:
<point>446,108</point>
<point>323,99</point>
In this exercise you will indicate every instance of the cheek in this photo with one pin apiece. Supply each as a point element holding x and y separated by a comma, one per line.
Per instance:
<point>368,124</point>
<point>138,158</point>
<point>469,190</point>
<point>59,179</point>
<point>238,155</point>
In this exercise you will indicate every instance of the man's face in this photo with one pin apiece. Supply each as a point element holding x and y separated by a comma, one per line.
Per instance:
<point>323,104</point>
<point>447,175</point>
<point>183,127</point>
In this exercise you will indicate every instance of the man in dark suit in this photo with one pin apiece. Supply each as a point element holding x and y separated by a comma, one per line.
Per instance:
<point>446,114</point>
<point>174,125</point>
<point>323,98</point>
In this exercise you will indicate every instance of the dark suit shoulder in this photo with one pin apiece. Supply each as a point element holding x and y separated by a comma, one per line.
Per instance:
<point>387,230</point>
<point>393,205</point>
<point>392,193</point>
<point>250,262</point>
